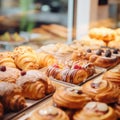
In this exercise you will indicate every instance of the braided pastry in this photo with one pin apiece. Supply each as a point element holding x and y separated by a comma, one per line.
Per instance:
<point>46,59</point>
<point>49,113</point>
<point>6,59</point>
<point>25,58</point>
<point>101,90</point>
<point>35,85</point>
<point>113,77</point>
<point>75,75</point>
<point>72,98</point>
<point>11,97</point>
<point>95,111</point>
<point>8,74</point>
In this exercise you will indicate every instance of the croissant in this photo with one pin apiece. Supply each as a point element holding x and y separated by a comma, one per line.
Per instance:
<point>25,58</point>
<point>113,77</point>
<point>49,113</point>
<point>6,59</point>
<point>1,111</point>
<point>75,75</point>
<point>95,111</point>
<point>35,84</point>
<point>8,74</point>
<point>101,90</point>
<point>72,98</point>
<point>46,59</point>
<point>11,97</point>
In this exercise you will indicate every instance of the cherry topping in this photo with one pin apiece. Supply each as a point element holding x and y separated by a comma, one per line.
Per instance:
<point>56,66</point>
<point>99,52</point>
<point>89,50</point>
<point>77,67</point>
<point>3,68</point>
<point>115,51</point>
<point>23,73</point>
<point>108,53</point>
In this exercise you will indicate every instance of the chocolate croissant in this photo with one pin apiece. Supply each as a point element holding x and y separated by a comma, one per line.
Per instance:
<point>101,90</point>
<point>6,59</point>
<point>75,75</point>
<point>46,59</point>
<point>95,111</point>
<point>25,58</point>
<point>72,98</point>
<point>35,84</point>
<point>11,97</point>
<point>49,113</point>
<point>8,74</point>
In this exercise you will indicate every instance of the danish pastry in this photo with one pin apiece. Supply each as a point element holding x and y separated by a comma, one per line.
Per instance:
<point>6,59</point>
<point>95,111</point>
<point>101,90</point>
<point>25,58</point>
<point>11,97</point>
<point>49,113</point>
<point>35,84</point>
<point>72,98</point>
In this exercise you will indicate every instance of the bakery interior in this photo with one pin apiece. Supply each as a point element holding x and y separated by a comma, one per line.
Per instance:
<point>59,59</point>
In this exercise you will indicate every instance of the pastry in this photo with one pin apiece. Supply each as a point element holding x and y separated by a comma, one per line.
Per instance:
<point>72,98</point>
<point>95,111</point>
<point>49,113</point>
<point>8,74</point>
<point>11,97</point>
<point>114,44</point>
<point>35,84</point>
<point>1,111</point>
<point>46,59</point>
<point>25,58</point>
<point>113,77</point>
<point>75,75</point>
<point>101,90</point>
<point>6,59</point>
<point>102,33</point>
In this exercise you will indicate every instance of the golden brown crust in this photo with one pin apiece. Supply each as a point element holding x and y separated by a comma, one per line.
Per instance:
<point>72,98</point>
<point>95,111</point>
<point>49,113</point>
<point>6,59</point>
<point>101,90</point>
<point>25,58</point>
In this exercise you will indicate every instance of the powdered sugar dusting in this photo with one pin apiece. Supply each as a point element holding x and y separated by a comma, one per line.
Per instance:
<point>31,76</point>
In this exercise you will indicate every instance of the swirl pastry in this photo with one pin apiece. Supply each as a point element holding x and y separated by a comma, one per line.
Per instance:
<point>101,90</point>
<point>49,113</point>
<point>8,74</point>
<point>35,84</point>
<point>11,97</point>
<point>1,111</point>
<point>75,75</point>
<point>25,58</point>
<point>72,98</point>
<point>46,59</point>
<point>6,59</point>
<point>105,34</point>
<point>113,77</point>
<point>95,111</point>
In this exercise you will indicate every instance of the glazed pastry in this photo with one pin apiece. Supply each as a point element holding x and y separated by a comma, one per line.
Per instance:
<point>6,59</point>
<point>113,77</point>
<point>45,59</point>
<point>101,90</point>
<point>25,58</point>
<point>8,74</point>
<point>114,44</point>
<point>95,111</point>
<point>105,34</point>
<point>1,111</point>
<point>49,113</point>
<point>35,84</point>
<point>75,75</point>
<point>72,98</point>
<point>11,97</point>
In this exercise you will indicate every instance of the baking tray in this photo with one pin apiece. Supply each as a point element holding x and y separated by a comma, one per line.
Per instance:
<point>99,71</point>
<point>32,103</point>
